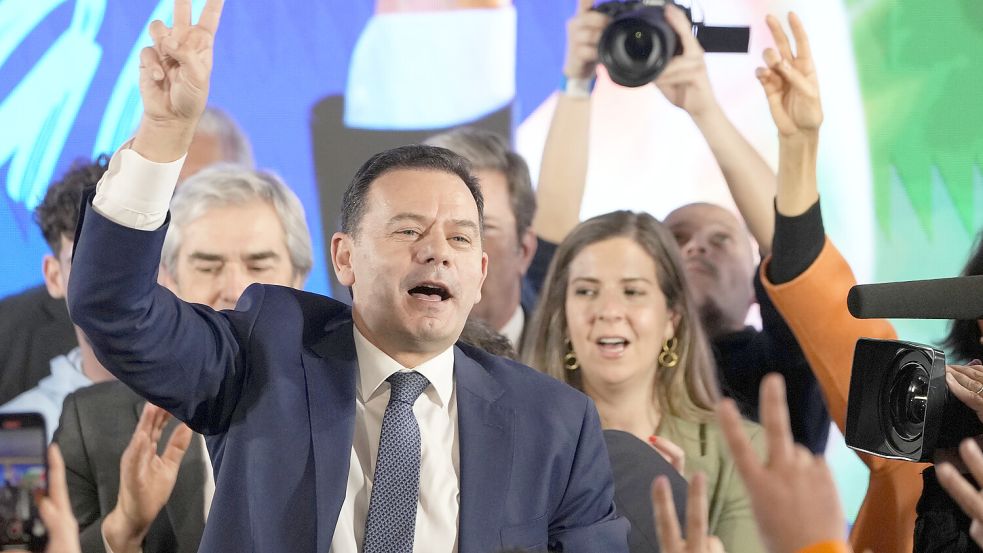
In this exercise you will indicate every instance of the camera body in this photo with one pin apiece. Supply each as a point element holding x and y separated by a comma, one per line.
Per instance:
<point>900,406</point>
<point>638,43</point>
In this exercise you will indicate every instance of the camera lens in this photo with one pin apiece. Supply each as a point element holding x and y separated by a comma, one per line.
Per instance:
<point>633,46</point>
<point>908,401</point>
<point>636,45</point>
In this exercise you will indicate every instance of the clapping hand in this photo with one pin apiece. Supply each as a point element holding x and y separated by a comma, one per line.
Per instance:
<point>146,479</point>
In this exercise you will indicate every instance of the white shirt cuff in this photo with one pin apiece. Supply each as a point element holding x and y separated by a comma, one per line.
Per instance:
<point>105,542</point>
<point>135,192</point>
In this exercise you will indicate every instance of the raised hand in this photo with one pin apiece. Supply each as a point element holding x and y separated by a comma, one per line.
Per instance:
<point>965,494</point>
<point>684,82</point>
<point>174,80</point>
<point>966,382</point>
<point>146,479</point>
<point>790,82</point>
<point>175,72</point>
<point>667,522</point>
<point>792,492</point>
<point>584,31</point>
<point>56,509</point>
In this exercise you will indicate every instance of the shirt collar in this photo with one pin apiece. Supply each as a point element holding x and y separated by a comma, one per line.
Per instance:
<point>375,366</point>
<point>74,359</point>
<point>514,327</point>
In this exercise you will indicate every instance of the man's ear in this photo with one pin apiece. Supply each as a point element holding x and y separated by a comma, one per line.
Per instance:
<point>54,279</point>
<point>341,258</point>
<point>527,249</point>
<point>484,273</point>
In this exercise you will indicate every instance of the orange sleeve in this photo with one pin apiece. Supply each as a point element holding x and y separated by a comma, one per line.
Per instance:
<point>827,547</point>
<point>814,306</point>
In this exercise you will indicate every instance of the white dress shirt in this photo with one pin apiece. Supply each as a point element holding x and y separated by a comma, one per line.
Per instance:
<point>48,396</point>
<point>436,413</point>
<point>514,326</point>
<point>136,192</point>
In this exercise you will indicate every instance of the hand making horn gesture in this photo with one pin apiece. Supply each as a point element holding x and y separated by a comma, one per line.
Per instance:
<point>790,82</point>
<point>174,80</point>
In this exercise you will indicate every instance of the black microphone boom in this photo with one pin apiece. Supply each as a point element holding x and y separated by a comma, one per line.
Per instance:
<point>958,298</point>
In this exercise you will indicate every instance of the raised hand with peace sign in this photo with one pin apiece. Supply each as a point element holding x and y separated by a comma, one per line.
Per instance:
<point>174,80</point>
<point>790,82</point>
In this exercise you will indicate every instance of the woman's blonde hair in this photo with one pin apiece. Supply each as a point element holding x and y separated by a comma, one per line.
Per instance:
<point>689,390</point>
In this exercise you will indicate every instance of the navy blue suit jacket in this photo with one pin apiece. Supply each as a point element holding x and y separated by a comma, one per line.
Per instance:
<point>272,386</point>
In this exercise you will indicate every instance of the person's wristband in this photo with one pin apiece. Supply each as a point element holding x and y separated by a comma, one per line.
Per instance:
<point>577,87</point>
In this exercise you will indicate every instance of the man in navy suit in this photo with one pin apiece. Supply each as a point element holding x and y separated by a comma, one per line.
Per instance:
<point>333,428</point>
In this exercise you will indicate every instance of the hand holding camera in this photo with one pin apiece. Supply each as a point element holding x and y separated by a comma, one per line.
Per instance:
<point>56,510</point>
<point>966,383</point>
<point>685,82</point>
<point>584,31</point>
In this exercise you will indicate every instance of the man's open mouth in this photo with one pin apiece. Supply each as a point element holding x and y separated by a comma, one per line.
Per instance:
<point>430,292</point>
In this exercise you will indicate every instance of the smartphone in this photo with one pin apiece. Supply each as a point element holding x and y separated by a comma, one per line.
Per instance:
<point>24,467</point>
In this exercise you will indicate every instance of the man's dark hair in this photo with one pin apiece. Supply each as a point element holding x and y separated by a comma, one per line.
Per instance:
<point>962,343</point>
<point>58,213</point>
<point>416,156</point>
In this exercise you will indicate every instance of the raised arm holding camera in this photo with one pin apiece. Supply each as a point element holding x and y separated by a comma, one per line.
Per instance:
<point>718,253</point>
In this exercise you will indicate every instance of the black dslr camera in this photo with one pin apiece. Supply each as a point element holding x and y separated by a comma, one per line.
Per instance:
<point>638,43</point>
<point>900,406</point>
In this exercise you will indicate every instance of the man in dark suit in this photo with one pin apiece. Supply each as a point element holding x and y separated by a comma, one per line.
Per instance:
<point>35,329</point>
<point>508,300</point>
<point>230,227</point>
<point>333,428</point>
<point>96,426</point>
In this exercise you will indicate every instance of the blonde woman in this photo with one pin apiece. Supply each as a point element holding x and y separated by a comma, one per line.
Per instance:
<point>617,322</point>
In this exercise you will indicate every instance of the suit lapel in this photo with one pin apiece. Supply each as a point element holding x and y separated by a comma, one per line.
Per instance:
<point>331,367</point>
<point>486,432</point>
<point>186,506</point>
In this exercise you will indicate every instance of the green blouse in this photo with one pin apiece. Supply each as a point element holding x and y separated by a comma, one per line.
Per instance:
<point>731,518</point>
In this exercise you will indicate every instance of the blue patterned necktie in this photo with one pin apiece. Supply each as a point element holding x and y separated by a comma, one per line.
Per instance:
<point>391,520</point>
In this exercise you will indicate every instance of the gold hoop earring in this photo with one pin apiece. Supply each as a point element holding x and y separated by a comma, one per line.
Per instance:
<point>570,361</point>
<point>669,358</point>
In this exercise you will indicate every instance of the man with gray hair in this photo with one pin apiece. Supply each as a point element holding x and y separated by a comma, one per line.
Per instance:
<point>510,204</point>
<point>230,227</point>
<point>34,327</point>
<point>218,139</point>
